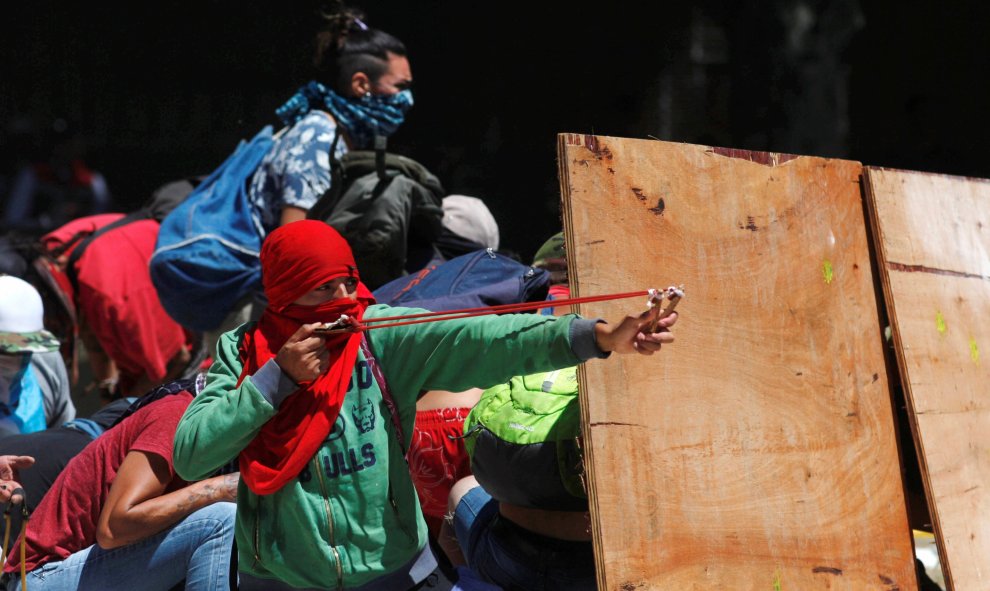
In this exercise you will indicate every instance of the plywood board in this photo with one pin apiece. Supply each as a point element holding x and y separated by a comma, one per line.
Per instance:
<point>933,245</point>
<point>758,451</point>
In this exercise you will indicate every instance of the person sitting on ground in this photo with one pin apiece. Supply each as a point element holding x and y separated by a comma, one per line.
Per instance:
<point>34,386</point>
<point>52,449</point>
<point>321,421</point>
<point>437,458</point>
<point>119,517</point>
<point>468,225</point>
<point>521,519</point>
<point>21,257</point>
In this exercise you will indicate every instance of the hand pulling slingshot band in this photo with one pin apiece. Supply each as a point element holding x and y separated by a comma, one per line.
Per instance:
<point>655,298</point>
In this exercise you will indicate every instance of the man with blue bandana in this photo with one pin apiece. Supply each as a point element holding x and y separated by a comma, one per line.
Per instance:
<point>362,90</point>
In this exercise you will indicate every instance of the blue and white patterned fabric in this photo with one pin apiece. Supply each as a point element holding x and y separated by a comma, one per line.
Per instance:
<point>362,118</point>
<point>295,172</point>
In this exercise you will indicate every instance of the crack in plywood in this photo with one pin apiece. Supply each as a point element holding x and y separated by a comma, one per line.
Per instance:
<point>894,266</point>
<point>617,424</point>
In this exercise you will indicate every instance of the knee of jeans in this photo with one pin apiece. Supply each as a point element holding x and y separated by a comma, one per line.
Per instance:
<point>457,492</point>
<point>223,513</point>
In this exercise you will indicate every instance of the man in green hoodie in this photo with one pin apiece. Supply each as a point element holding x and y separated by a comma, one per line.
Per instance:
<point>320,422</point>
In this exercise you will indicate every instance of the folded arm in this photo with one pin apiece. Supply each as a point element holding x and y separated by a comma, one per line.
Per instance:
<point>137,505</point>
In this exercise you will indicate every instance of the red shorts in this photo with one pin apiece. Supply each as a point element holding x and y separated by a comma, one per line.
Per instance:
<point>437,459</point>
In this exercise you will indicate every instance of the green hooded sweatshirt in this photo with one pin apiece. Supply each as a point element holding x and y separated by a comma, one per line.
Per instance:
<point>351,519</point>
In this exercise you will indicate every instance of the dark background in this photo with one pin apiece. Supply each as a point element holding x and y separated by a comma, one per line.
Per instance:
<point>163,90</point>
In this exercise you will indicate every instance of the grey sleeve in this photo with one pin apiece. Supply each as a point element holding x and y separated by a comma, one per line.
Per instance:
<point>53,379</point>
<point>273,384</point>
<point>583,341</point>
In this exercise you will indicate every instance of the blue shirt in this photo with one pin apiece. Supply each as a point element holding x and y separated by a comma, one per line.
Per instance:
<point>296,171</point>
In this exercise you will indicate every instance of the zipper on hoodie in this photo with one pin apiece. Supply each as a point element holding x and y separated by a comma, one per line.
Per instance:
<point>395,511</point>
<point>257,536</point>
<point>326,506</point>
<point>395,507</point>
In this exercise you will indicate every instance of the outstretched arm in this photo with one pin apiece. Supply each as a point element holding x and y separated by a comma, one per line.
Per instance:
<point>138,506</point>
<point>458,354</point>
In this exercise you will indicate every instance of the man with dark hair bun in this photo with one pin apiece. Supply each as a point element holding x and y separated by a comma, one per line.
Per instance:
<point>361,88</point>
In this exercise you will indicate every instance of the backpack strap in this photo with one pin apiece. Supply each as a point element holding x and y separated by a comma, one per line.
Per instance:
<point>393,409</point>
<point>325,204</point>
<point>381,147</point>
<point>70,268</point>
<point>60,249</point>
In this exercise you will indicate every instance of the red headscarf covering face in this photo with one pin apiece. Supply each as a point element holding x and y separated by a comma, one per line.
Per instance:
<point>296,259</point>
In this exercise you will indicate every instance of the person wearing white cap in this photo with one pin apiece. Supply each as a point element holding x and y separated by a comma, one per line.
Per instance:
<point>470,219</point>
<point>467,225</point>
<point>34,386</point>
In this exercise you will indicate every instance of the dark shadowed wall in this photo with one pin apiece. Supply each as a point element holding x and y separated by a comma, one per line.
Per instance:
<point>166,89</point>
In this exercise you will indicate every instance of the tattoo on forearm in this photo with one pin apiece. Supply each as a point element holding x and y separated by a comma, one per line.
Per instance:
<point>230,482</point>
<point>209,491</point>
<point>193,499</point>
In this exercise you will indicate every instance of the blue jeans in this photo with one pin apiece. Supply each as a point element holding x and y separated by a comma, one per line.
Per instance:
<point>196,549</point>
<point>515,558</point>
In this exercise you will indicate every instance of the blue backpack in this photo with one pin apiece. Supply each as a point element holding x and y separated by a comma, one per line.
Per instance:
<point>480,278</point>
<point>206,256</point>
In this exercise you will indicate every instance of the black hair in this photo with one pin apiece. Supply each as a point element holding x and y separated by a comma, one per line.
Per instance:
<point>346,45</point>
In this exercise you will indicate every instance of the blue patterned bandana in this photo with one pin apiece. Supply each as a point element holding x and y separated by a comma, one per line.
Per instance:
<point>362,119</point>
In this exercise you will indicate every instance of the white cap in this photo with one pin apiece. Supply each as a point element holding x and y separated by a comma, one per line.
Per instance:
<point>22,318</point>
<point>469,218</point>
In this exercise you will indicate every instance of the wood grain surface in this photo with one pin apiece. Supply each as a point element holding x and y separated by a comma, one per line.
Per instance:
<point>759,450</point>
<point>933,245</point>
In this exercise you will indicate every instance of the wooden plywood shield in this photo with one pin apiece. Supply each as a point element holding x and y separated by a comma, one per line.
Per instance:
<point>933,245</point>
<point>759,450</point>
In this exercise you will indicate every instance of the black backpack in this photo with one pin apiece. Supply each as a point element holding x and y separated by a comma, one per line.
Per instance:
<point>382,204</point>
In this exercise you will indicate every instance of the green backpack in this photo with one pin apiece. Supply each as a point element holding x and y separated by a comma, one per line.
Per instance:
<point>384,205</point>
<point>523,440</point>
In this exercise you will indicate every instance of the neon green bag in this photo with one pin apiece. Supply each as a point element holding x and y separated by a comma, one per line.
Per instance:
<point>523,439</point>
